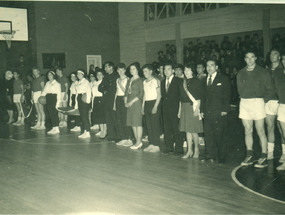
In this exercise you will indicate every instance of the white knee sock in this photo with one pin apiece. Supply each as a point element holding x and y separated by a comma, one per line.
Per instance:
<point>270,147</point>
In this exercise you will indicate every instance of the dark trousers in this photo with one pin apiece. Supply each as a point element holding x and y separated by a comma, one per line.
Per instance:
<point>110,117</point>
<point>172,133</point>
<point>84,113</point>
<point>124,131</point>
<point>214,131</point>
<point>152,123</point>
<point>51,111</point>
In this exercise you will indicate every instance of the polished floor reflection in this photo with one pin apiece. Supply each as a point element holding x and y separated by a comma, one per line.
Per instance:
<point>41,174</point>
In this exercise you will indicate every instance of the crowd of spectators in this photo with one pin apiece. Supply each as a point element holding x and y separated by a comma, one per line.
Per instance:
<point>229,53</point>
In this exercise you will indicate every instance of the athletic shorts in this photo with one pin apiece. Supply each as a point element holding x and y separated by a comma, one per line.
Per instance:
<point>281,113</point>
<point>252,109</point>
<point>17,98</point>
<point>36,96</point>
<point>271,107</point>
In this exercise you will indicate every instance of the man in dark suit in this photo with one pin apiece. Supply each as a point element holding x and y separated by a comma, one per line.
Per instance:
<point>170,107</point>
<point>108,87</point>
<point>215,108</point>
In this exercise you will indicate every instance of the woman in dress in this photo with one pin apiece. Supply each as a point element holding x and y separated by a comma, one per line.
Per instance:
<point>133,103</point>
<point>83,91</point>
<point>191,94</point>
<point>52,92</point>
<point>38,85</point>
<point>151,108</point>
<point>98,115</point>
<point>73,101</point>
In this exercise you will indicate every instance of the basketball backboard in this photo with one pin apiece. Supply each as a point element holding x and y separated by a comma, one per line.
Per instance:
<point>14,20</point>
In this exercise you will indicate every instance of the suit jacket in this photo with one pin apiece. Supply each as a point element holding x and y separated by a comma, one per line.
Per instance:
<point>217,96</point>
<point>171,98</point>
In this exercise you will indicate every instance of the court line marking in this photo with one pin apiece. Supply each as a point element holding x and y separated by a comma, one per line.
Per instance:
<point>233,174</point>
<point>81,143</point>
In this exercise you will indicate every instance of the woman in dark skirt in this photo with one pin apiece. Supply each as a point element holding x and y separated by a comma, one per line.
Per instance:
<point>52,92</point>
<point>191,93</point>
<point>133,102</point>
<point>98,115</point>
<point>72,102</point>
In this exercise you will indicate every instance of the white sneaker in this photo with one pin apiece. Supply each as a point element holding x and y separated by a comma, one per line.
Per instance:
<point>86,134</point>
<point>35,126</point>
<point>281,167</point>
<point>41,127</point>
<point>148,149</point>
<point>16,123</point>
<point>162,136</point>
<point>121,143</point>
<point>282,159</point>
<point>98,134</point>
<point>95,127</point>
<point>75,129</point>
<point>154,149</point>
<point>55,130</point>
<point>145,139</point>
<point>128,143</point>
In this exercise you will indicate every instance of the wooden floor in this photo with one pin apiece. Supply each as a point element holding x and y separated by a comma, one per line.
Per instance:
<point>64,175</point>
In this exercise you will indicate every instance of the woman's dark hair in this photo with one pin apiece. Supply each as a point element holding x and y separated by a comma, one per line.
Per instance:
<point>192,67</point>
<point>51,72</point>
<point>101,71</point>
<point>137,65</point>
<point>73,73</point>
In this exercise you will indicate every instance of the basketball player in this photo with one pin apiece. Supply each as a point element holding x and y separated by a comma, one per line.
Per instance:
<point>271,106</point>
<point>38,85</point>
<point>254,87</point>
<point>18,97</point>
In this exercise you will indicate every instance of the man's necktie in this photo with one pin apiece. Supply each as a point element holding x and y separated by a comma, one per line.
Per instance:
<point>167,84</point>
<point>210,81</point>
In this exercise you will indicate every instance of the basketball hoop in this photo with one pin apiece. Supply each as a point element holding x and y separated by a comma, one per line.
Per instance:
<point>8,36</point>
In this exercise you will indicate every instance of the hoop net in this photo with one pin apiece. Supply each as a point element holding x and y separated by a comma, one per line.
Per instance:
<point>8,36</point>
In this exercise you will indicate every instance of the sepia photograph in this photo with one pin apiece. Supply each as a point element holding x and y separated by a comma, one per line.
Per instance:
<point>142,107</point>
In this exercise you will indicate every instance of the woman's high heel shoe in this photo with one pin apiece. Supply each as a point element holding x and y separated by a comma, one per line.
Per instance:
<point>134,147</point>
<point>188,155</point>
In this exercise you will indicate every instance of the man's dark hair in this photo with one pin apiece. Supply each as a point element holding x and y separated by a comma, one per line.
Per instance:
<point>250,51</point>
<point>109,63</point>
<point>147,66</point>
<point>169,64</point>
<point>121,66</point>
<point>179,66</point>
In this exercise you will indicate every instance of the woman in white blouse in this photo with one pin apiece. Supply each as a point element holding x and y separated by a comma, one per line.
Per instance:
<point>83,91</point>
<point>98,115</point>
<point>52,92</point>
<point>124,131</point>
<point>73,102</point>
